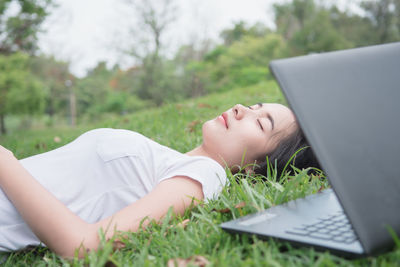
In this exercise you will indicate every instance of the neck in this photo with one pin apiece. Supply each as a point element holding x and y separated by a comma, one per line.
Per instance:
<point>202,151</point>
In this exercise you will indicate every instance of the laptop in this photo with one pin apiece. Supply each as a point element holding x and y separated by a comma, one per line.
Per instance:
<point>348,105</point>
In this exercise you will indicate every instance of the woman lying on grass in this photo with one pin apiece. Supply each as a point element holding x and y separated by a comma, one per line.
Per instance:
<point>112,179</point>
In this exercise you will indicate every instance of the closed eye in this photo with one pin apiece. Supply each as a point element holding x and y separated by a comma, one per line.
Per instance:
<point>269,117</point>
<point>259,123</point>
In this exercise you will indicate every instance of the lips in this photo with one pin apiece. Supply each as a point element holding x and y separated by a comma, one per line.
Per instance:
<point>224,119</point>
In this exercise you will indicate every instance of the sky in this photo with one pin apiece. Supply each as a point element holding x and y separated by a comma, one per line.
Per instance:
<point>85,32</point>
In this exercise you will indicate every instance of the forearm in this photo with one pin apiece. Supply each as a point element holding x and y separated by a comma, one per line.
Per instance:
<point>51,221</point>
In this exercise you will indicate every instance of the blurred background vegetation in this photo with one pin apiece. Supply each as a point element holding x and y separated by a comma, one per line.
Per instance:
<point>37,90</point>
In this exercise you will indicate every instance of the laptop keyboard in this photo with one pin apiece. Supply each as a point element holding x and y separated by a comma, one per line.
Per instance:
<point>334,227</point>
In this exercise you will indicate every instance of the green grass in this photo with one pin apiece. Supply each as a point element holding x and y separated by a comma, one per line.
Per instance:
<point>179,126</point>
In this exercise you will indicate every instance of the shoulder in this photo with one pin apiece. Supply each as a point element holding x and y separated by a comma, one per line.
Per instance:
<point>204,170</point>
<point>121,142</point>
<point>110,132</point>
<point>112,137</point>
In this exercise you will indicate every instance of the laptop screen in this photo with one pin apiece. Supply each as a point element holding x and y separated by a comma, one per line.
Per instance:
<point>347,103</point>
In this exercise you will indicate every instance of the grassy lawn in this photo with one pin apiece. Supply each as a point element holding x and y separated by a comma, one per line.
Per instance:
<point>179,126</point>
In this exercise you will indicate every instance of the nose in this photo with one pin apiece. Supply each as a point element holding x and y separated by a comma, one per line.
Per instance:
<point>239,111</point>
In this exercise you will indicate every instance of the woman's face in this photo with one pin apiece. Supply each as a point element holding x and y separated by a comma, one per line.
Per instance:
<point>247,133</point>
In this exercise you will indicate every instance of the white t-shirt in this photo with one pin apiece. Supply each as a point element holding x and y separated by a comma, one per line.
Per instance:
<point>101,172</point>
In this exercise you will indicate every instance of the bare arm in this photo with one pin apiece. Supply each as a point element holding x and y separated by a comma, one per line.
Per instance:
<point>62,230</point>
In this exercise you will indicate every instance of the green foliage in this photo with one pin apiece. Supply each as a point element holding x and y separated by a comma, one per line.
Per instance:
<point>19,31</point>
<point>20,91</point>
<point>214,54</point>
<point>318,34</point>
<point>291,16</point>
<point>240,30</point>
<point>123,102</point>
<point>112,90</point>
<point>158,80</point>
<point>92,90</point>
<point>354,28</point>
<point>195,79</point>
<point>54,75</point>
<point>310,27</point>
<point>385,18</point>
<point>245,62</point>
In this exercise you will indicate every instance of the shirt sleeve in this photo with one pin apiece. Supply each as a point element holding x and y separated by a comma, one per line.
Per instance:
<point>208,173</point>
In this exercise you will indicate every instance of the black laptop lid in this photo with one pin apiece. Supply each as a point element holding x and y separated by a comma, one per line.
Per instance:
<point>348,104</point>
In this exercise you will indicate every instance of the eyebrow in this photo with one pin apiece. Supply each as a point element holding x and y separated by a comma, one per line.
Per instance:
<point>268,116</point>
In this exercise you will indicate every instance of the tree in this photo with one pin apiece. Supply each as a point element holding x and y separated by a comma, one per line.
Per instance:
<point>240,30</point>
<point>384,15</point>
<point>308,27</point>
<point>318,35</point>
<point>20,91</point>
<point>20,21</point>
<point>311,27</point>
<point>108,90</point>
<point>191,69</point>
<point>245,62</point>
<point>291,17</point>
<point>155,75</point>
<point>93,89</point>
<point>356,29</point>
<point>54,75</point>
<point>18,30</point>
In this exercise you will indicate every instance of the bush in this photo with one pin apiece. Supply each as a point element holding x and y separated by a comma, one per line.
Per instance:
<point>245,62</point>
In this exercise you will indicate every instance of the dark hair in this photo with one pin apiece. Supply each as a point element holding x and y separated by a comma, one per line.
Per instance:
<point>295,143</point>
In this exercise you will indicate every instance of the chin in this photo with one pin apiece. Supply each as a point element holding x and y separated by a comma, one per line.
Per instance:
<point>208,128</point>
<point>211,135</point>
